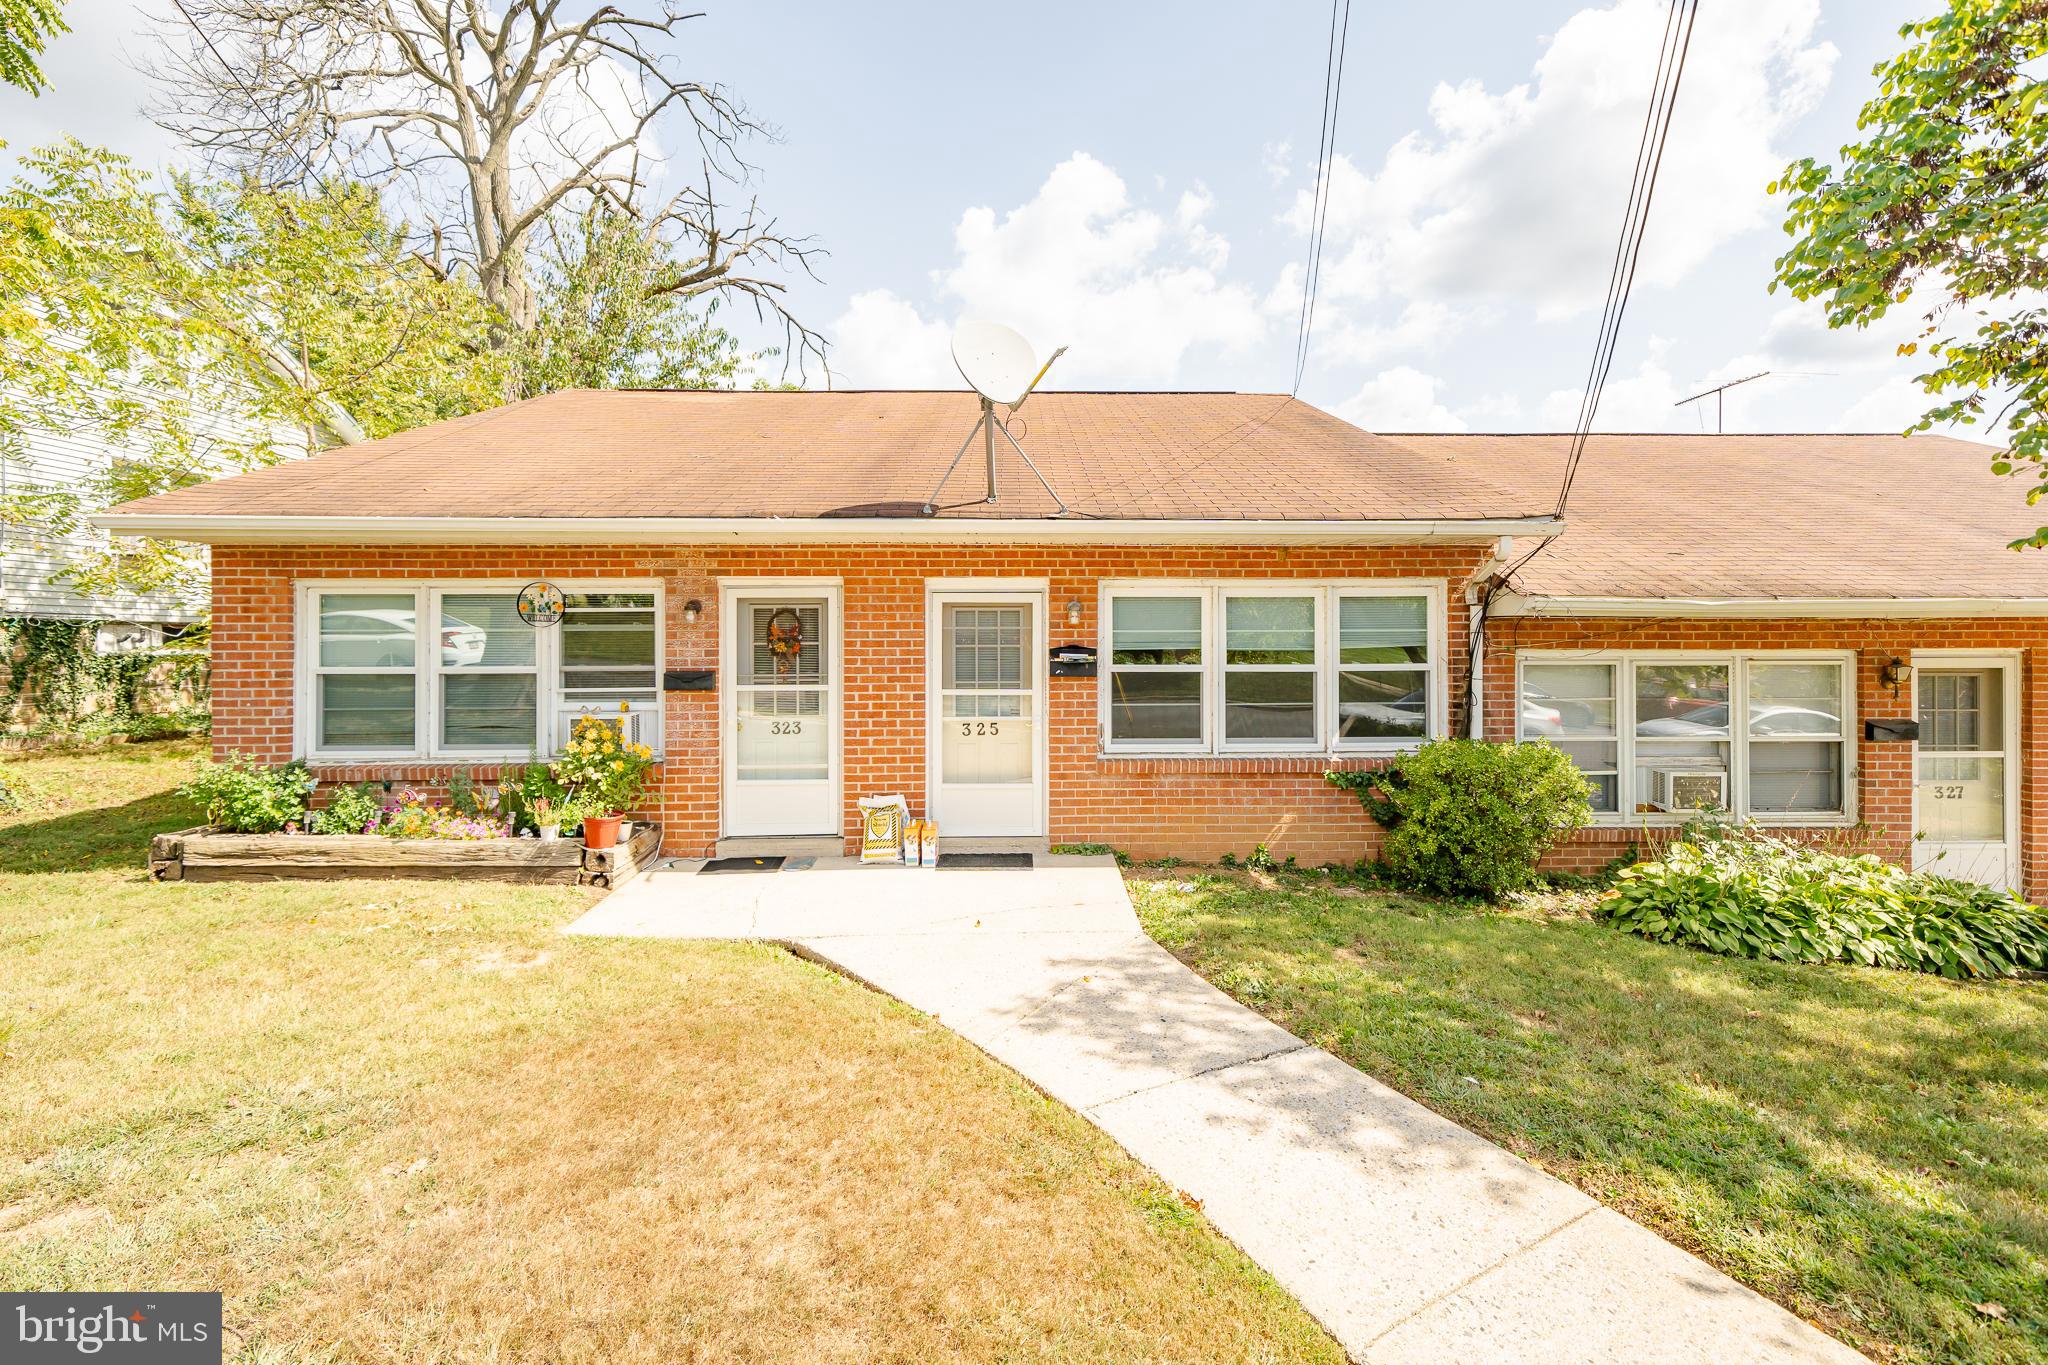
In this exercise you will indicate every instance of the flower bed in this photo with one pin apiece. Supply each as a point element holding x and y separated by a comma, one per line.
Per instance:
<point>263,823</point>
<point>208,855</point>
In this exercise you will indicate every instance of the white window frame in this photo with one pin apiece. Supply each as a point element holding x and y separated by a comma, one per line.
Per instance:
<point>1320,689</point>
<point>1325,592</point>
<point>1739,739</point>
<point>427,672</point>
<point>1107,653</point>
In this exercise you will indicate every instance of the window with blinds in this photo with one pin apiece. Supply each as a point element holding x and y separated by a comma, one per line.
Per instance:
<point>1219,668</point>
<point>449,670</point>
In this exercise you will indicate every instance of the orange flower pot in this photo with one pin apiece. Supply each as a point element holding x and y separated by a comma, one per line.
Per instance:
<point>600,831</point>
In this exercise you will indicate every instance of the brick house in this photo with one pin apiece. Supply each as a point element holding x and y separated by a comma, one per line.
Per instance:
<point>1247,593</point>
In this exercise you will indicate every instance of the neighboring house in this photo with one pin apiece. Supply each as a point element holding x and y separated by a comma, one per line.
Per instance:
<point>35,558</point>
<point>1739,620</point>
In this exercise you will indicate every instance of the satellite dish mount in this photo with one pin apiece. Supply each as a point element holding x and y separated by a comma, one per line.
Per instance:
<point>998,365</point>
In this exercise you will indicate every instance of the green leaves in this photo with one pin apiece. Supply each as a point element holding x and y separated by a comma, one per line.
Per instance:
<point>1467,818</point>
<point>26,27</point>
<point>1943,191</point>
<point>243,796</point>
<point>1748,895</point>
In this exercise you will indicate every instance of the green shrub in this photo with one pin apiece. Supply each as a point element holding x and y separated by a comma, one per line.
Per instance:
<point>243,796</point>
<point>1468,818</point>
<point>350,810</point>
<point>1747,895</point>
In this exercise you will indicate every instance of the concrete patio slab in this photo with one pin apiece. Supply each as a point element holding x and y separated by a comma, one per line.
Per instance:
<point>1409,1237</point>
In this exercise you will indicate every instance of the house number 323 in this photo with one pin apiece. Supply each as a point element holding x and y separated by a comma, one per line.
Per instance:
<point>975,729</point>
<point>786,727</point>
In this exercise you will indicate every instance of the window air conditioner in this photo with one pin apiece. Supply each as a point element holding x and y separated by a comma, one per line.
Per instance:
<point>1676,788</point>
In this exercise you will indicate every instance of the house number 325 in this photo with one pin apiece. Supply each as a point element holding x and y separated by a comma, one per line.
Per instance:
<point>975,729</point>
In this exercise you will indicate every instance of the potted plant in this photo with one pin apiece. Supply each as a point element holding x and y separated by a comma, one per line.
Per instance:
<point>546,819</point>
<point>604,774</point>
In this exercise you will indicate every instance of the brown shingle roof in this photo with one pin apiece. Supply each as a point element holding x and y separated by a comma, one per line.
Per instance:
<point>1771,516</point>
<point>1651,516</point>
<point>656,454</point>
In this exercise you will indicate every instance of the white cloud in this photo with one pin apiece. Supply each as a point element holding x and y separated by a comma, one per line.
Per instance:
<point>1131,291</point>
<point>1399,399</point>
<point>892,343</point>
<point>1518,195</point>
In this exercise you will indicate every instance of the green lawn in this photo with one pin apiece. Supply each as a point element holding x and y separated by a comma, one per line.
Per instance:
<point>409,1121</point>
<point>1869,1148</point>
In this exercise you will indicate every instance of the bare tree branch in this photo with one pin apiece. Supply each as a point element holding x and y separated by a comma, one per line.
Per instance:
<point>490,122</point>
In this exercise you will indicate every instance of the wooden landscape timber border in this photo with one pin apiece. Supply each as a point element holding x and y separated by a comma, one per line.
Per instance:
<point>200,855</point>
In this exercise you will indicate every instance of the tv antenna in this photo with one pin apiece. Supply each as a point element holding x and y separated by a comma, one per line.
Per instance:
<point>1716,393</point>
<point>999,365</point>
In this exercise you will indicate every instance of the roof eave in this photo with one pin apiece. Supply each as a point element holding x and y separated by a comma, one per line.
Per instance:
<point>236,529</point>
<point>1769,608</point>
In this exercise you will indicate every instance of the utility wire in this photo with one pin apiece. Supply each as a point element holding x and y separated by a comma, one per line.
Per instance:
<point>1319,216</point>
<point>1319,204</point>
<point>1671,53</point>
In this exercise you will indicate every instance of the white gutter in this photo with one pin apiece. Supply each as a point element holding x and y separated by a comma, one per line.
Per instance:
<point>1771,608</point>
<point>320,530</point>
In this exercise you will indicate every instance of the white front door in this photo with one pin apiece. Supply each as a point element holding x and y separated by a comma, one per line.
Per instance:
<point>1966,770</point>
<point>987,690</point>
<point>782,713</point>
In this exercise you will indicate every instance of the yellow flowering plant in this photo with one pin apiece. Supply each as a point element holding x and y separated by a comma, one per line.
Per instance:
<point>603,771</point>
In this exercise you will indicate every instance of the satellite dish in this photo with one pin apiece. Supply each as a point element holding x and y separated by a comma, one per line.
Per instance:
<point>999,365</point>
<point>996,362</point>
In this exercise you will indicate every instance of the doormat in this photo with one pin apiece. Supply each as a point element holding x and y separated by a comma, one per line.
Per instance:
<point>742,865</point>
<point>984,860</point>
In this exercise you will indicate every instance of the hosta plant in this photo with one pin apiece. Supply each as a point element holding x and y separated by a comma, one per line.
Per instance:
<point>1746,894</point>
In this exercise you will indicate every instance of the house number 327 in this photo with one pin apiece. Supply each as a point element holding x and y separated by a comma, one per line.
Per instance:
<point>975,729</point>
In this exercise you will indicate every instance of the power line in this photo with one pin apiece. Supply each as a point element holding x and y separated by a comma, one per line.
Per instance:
<point>1319,215</point>
<point>1671,53</point>
<point>1319,203</point>
<point>261,108</point>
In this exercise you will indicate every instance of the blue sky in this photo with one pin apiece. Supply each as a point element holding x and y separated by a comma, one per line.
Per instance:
<point>1126,179</point>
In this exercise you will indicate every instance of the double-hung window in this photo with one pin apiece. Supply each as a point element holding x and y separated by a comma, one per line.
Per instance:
<point>448,670</point>
<point>1754,734</point>
<point>1271,667</point>
<point>1157,677</point>
<point>364,656</point>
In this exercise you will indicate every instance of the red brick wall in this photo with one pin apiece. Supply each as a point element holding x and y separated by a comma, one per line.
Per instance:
<point>1195,808</point>
<point>1883,777</point>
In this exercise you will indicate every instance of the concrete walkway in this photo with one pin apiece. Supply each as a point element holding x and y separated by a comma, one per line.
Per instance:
<point>1408,1237</point>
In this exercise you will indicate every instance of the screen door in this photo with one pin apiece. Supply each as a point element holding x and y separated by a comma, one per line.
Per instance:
<point>987,715</point>
<point>780,768</point>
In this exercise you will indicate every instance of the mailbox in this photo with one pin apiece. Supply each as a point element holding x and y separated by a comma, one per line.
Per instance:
<point>1071,661</point>
<point>688,680</point>
<point>1891,731</point>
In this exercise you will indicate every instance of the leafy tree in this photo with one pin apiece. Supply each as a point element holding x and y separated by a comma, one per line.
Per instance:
<point>26,27</point>
<point>1946,193</point>
<point>606,320</point>
<point>136,309</point>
